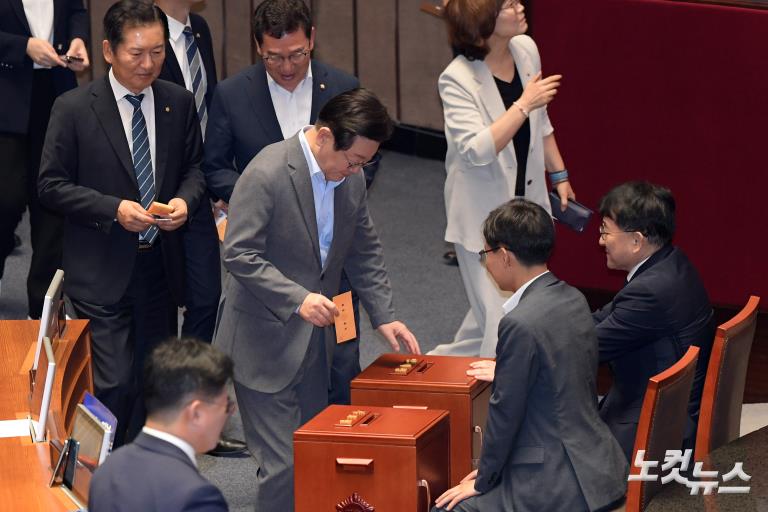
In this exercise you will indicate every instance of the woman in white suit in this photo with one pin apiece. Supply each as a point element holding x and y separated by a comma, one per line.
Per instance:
<point>500,143</point>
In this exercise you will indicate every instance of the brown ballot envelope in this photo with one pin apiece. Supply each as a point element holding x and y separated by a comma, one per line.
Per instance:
<point>161,209</point>
<point>345,322</point>
<point>221,223</point>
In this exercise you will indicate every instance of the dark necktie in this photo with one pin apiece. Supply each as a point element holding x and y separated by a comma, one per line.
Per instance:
<point>142,163</point>
<point>199,84</point>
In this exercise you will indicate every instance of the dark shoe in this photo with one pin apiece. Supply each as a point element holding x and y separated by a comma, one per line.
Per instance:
<point>449,258</point>
<point>228,448</point>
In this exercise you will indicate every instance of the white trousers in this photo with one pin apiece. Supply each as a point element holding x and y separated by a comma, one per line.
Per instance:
<point>478,333</point>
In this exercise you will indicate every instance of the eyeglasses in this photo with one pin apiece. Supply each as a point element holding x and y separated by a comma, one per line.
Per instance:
<point>604,234</point>
<point>231,404</point>
<point>484,252</point>
<point>362,165</point>
<point>294,58</point>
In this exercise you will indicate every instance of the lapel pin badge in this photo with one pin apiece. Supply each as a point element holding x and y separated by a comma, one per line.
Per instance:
<point>167,109</point>
<point>322,87</point>
<point>197,35</point>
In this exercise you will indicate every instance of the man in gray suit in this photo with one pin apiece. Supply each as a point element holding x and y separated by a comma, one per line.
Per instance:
<point>545,446</point>
<point>298,217</point>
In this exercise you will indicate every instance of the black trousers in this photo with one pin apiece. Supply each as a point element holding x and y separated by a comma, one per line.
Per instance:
<point>20,161</point>
<point>123,335</point>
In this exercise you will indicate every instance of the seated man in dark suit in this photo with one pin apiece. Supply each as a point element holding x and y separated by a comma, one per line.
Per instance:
<point>661,310</point>
<point>185,391</point>
<point>545,447</point>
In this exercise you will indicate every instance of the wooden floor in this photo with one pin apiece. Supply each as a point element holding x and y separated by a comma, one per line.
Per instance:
<point>756,388</point>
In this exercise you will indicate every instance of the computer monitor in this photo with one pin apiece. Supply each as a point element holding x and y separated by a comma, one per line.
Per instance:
<point>40,401</point>
<point>53,319</point>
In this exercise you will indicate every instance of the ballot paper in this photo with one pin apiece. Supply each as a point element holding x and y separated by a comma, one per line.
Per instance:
<point>345,322</point>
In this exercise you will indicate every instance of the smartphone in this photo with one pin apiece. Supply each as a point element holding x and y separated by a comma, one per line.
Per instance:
<point>162,219</point>
<point>71,58</point>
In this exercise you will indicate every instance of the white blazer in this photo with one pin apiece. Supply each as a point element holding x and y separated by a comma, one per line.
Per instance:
<point>478,179</point>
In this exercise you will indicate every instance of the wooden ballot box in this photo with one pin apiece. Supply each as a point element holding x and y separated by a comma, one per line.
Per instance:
<point>432,382</point>
<point>371,459</point>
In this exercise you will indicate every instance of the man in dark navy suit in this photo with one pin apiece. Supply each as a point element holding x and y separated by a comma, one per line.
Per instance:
<point>189,63</point>
<point>269,102</point>
<point>185,389</point>
<point>662,309</point>
<point>36,37</point>
<point>114,147</point>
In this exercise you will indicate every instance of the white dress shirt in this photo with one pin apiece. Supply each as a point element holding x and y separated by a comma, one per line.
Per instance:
<point>634,269</point>
<point>126,114</point>
<point>179,45</point>
<point>175,441</point>
<point>293,109</point>
<point>323,193</point>
<point>40,19</point>
<point>514,300</point>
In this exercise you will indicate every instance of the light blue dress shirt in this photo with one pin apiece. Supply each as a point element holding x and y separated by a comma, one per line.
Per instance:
<point>323,192</point>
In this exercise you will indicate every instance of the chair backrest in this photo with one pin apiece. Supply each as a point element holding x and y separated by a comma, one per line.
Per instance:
<point>662,423</point>
<point>720,413</point>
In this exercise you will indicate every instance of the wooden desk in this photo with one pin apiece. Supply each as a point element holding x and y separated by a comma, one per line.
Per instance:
<point>25,466</point>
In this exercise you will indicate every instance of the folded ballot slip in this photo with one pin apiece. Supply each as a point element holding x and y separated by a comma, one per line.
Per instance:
<point>576,216</point>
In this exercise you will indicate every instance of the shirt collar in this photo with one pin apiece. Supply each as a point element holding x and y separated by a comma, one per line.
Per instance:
<point>174,440</point>
<point>514,300</point>
<point>314,168</point>
<point>275,86</point>
<point>119,90</point>
<point>635,269</point>
<point>176,28</point>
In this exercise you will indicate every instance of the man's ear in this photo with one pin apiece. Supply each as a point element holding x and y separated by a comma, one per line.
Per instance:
<point>106,49</point>
<point>324,136</point>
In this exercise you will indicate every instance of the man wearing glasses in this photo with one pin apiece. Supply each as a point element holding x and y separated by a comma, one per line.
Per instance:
<point>269,102</point>
<point>300,216</point>
<point>662,309</point>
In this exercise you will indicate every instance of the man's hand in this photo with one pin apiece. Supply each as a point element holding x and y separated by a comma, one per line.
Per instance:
<point>395,331</point>
<point>482,370</point>
<point>133,217</point>
<point>77,49</point>
<point>176,218</point>
<point>318,310</point>
<point>466,489</point>
<point>42,53</point>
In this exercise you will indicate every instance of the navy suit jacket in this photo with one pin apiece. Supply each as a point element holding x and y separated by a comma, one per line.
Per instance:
<point>172,71</point>
<point>544,443</point>
<point>87,169</point>
<point>242,120</point>
<point>151,474</point>
<point>70,20</point>
<point>645,329</point>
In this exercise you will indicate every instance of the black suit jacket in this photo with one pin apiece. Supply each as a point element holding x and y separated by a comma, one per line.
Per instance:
<point>645,329</point>
<point>172,71</point>
<point>70,20</point>
<point>151,474</point>
<point>87,169</point>
<point>242,120</point>
<point>543,428</point>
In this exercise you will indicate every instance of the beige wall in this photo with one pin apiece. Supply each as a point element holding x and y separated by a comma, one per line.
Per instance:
<point>395,49</point>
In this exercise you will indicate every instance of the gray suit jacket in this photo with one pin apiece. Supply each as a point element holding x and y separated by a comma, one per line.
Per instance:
<point>272,253</point>
<point>544,442</point>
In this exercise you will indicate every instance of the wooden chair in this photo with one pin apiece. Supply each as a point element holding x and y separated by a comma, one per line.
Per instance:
<point>662,423</point>
<point>720,413</point>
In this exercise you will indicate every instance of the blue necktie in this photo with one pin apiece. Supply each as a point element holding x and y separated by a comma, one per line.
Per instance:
<point>199,84</point>
<point>142,163</point>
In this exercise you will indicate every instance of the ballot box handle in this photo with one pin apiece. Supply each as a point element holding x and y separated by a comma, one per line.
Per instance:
<point>352,462</point>
<point>423,483</point>
<point>418,407</point>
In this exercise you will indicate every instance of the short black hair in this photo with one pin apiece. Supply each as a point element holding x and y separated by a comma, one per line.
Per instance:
<point>644,207</point>
<point>353,113</point>
<point>523,227</point>
<point>179,370</point>
<point>131,13</point>
<point>279,17</point>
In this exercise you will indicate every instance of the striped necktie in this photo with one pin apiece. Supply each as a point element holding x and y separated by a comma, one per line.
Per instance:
<point>142,163</point>
<point>199,83</point>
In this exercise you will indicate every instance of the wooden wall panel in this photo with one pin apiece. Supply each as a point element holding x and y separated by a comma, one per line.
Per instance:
<point>335,32</point>
<point>239,46</point>
<point>377,50</point>
<point>423,52</point>
<point>213,12</point>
